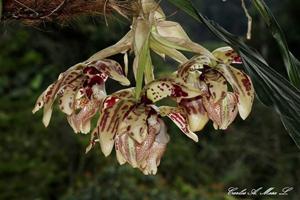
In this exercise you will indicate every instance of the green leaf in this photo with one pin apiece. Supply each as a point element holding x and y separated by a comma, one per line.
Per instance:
<point>1,7</point>
<point>291,63</point>
<point>271,88</point>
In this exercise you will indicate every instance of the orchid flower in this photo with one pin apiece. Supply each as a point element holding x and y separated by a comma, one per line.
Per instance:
<point>134,128</point>
<point>214,101</point>
<point>80,91</point>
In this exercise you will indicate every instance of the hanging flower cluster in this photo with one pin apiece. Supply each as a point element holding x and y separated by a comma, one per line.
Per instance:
<point>205,87</point>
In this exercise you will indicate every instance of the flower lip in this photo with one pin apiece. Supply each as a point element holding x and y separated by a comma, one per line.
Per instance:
<point>91,70</point>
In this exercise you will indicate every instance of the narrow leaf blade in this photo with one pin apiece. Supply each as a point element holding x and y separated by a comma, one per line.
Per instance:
<point>291,63</point>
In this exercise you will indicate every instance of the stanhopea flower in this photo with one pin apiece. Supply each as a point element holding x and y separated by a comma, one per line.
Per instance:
<point>215,100</point>
<point>79,91</point>
<point>134,128</point>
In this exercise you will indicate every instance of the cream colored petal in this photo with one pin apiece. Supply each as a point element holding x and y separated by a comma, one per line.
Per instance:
<point>155,149</point>
<point>142,149</point>
<point>163,88</point>
<point>216,83</point>
<point>163,50</point>
<point>80,122</point>
<point>39,103</point>
<point>47,115</point>
<point>141,30</point>
<point>227,55</point>
<point>68,99</point>
<point>135,124</point>
<point>86,127</point>
<point>196,113</point>
<point>171,29</point>
<point>66,102</point>
<point>172,35</point>
<point>125,58</point>
<point>48,99</point>
<point>162,136</point>
<point>119,154</point>
<point>123,45</point>
<point>155,154</point>
<point>180,118</point>
<point>242,86</point>
<point>110,118</point>
<point>189,72</point>
<point>223,112</point>
<point>112,69</point>
<point>127,148</point>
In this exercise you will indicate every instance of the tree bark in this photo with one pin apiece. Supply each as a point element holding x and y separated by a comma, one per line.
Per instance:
<point>51,10</point>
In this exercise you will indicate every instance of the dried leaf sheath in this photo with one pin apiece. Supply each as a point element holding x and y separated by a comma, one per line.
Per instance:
<point>34,11</point>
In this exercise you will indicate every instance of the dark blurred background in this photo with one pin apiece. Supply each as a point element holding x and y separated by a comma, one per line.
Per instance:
<point>50,163</point>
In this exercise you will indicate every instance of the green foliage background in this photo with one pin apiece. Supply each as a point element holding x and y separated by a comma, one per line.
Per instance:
<point>40,163</point>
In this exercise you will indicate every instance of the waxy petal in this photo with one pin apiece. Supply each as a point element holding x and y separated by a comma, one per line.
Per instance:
<point>112,69</point>
<point>108,123</point>
<point>196,113</point>
<point>39,102</point>
<point>216,83</point>
<point>125,94</point>
<point>125,44</point>
<point>47,114</point>
<point>125,58</point>
<point>109,102</point>
<point>134,155</point>
<point>163,88</point>
<point>135,123</point>
<point>146,155</point>
<point>242,86</point>
<point>180,118</point>
<point>172,35</point>
<point>80,122</point>
<point>149,166</point>
<point>163,50</point>
<point>66,102</point>
<point>153,128</point>
<point>184,71</point>
<point>223,112</point>
<point>121,159</point>
<point>68,99</point>
<point>127,148</point>
<point>227,55</point>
